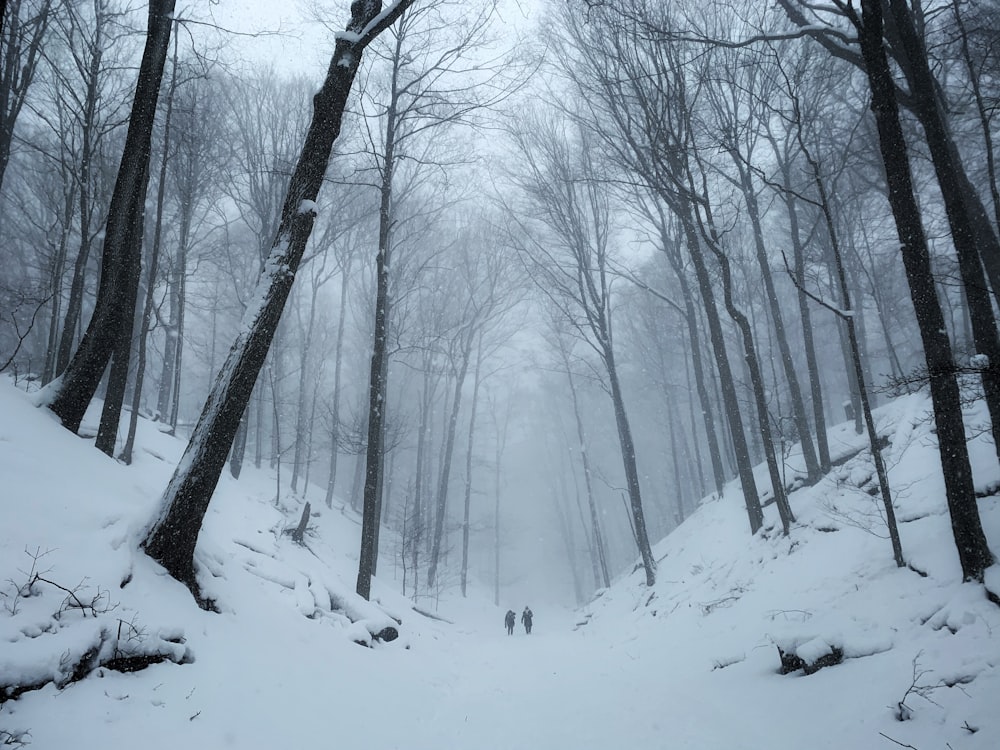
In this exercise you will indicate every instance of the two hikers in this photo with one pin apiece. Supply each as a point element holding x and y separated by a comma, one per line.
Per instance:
<point>510,617</point>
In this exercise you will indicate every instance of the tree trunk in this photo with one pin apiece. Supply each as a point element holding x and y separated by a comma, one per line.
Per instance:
<point>441,507</point>
<point>787,363</point>
<point>476,380</point>
<point>739,442</point>
<point>151,274</point>
<point>756,385</point>
<point>808,341</point>
<point>695,335</point>
<point>238,453</point>
<point>88,154</point>
<point>303,400</point>
<point>169,344</point>
<point>848,316</point>
<point>173,535</point>
<point>111,324</point>
<point>973,551</point>
<point>983,110</point>
<point>22,43</point>
<point>331,483</point>
<point>629,462</point>
<point>581,436</point>
<point>378,391</point>
<point>55,284</point>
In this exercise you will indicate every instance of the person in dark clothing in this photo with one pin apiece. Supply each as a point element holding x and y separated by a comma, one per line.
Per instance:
<point>509,620</point>
<point>526,619</point>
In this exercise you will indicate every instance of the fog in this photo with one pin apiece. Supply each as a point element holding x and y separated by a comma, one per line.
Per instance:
<point>624,258</point>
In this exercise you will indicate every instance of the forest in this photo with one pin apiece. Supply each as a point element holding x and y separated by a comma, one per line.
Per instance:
<point>594,259</point>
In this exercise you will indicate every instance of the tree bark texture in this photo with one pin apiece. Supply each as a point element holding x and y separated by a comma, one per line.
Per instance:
<point>114,312</point>
<point>378,392</point>
<point>973,551</point>
<point>173,535</point>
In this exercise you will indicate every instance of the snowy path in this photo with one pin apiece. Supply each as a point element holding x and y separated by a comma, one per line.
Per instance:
<point>557,689</point>
<point>452,689</point>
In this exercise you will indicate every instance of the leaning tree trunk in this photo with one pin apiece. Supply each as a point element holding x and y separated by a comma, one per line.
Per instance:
<point>973,550</point>
<point>174,533</point>
<point>148,302</point>
<point>114,312</point>
<point>154,260</point>
<point>732,407</point>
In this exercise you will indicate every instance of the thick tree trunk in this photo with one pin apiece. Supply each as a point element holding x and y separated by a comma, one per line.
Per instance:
<point>173,535</point>
<point>383,492</point>
<point>378,392</point>
<point>151,274</point>
<point>973,551</point>
<point>962,206</point>
<point>114,313</point>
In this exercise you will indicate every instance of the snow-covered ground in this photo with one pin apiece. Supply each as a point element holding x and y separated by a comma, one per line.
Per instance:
<point>692,663</point>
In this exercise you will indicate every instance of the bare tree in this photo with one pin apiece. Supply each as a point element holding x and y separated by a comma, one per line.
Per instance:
<point>973,550</point>
<point>174,533</point>
<point>24,27</point>
<point>632,86</point>
<point>435,80</point>
<point>599,555</point>
<point>571,264</point>
<point>109,335</point>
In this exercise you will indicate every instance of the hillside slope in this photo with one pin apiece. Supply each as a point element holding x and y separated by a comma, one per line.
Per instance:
<point>692,663</point>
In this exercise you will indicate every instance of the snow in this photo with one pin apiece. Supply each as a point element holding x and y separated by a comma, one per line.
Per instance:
<point>692,663</point>
<point>307,207</point>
